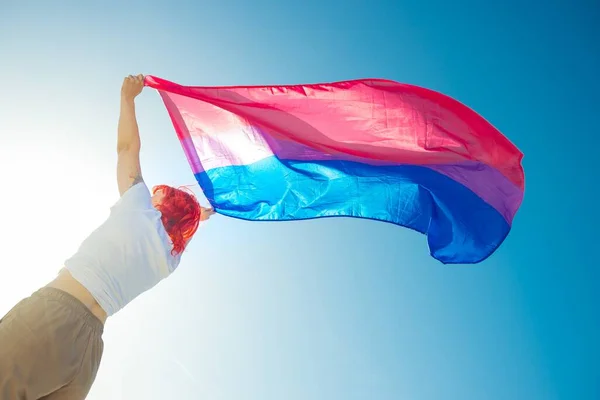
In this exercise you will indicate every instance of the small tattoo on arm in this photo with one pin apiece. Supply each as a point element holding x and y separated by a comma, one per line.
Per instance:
<point>137,179</point>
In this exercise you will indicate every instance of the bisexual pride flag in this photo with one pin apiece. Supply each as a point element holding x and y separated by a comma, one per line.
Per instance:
<point>371,148</point>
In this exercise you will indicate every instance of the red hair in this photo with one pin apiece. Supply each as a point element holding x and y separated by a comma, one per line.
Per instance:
<point>180,215</point>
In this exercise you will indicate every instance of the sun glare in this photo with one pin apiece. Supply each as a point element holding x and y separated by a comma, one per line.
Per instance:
<point>52,198</point>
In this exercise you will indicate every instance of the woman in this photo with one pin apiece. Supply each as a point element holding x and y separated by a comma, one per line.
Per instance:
<point>51,342</point>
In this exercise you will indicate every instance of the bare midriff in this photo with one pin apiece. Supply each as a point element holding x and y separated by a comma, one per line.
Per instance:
<point>65,282</point>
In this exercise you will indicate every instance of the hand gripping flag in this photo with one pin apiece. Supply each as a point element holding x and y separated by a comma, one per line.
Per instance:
<point>369,148</point>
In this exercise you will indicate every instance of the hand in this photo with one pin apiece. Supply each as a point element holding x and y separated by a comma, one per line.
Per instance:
<point>206,213</point>
<point>132,86</point>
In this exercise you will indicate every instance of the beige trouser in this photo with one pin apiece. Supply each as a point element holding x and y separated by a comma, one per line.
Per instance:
<point>50,348</point>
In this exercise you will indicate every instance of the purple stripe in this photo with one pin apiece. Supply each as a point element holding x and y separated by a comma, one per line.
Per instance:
<point>483,180</point>
<point>486,182</point>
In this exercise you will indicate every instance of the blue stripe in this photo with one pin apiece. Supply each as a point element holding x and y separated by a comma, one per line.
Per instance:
<point>460,226</point>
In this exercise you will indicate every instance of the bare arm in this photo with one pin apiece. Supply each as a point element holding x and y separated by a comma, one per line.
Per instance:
<point>128,141</point>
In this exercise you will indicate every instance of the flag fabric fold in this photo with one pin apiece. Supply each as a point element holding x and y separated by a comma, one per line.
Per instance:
<point>370,148</point>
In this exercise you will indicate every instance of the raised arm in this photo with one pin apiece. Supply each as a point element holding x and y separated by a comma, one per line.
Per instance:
<point>129,171</point>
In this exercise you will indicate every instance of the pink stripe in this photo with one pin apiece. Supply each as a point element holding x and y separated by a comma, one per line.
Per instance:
<point>183,133</point>
<point>373,119</point>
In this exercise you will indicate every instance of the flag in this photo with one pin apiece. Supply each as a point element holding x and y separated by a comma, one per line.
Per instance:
<point>370,148</point>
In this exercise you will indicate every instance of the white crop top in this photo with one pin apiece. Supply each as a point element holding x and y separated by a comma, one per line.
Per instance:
<point>127,255</point>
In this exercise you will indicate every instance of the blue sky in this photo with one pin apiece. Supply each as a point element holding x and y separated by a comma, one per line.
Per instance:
<point>325,309</point>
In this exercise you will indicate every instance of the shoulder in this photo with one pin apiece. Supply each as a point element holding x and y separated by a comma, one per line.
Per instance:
<point>136,196</point>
